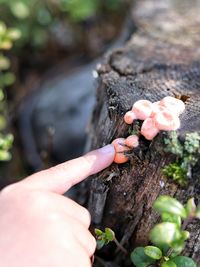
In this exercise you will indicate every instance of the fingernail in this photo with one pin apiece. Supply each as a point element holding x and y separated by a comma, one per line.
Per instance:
<point>109,149</point>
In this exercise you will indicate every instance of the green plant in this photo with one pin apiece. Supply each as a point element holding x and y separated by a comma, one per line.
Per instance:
<point>7,37</point>
<point>187,154</point>
<point>104,238</point>
<point>38,20</point>
<point>168,237</point>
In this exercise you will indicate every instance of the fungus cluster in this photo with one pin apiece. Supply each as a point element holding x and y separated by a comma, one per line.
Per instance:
<point>122,145</point>
<point>158,116</point>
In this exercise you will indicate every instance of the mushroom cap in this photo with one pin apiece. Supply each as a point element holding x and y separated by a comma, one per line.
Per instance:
<point>132,141</point>
<point>129,117</point>
<point>142,109</point>
<point>173,104</point>
<point>167,121</point>
<point>157,107</point>
<point>149,129</point>
<point>120,148</point>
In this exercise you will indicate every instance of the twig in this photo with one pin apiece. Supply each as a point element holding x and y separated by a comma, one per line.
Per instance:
<point>120,246</point>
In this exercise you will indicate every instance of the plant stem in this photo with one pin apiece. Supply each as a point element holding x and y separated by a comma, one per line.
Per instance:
<point>120,246</point>
<point>186,222</point>
<point>184,226</point>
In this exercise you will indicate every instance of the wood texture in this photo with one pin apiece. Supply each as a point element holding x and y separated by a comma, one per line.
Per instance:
<point>162,58</point>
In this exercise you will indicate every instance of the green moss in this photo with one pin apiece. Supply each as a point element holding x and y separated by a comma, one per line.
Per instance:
<point>187,154</point>
<point>176,172</point>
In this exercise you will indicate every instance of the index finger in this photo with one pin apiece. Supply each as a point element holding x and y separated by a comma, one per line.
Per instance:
<point>60,178</point>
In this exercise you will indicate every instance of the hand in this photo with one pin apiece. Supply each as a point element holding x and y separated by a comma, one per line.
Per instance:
<point>41,228</point>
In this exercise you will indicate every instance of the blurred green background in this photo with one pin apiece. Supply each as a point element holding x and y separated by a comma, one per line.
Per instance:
<point>37,19</point>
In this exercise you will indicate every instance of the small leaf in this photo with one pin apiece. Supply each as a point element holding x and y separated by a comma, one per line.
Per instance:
<point>177,250</point>
<point>100,243</point>
<point>198,212</point>
<point>153,252</point>
<point>185,235</point>
<point>140,259</point>
<point>13,33</point>
<point>190,207</point>
<point>168,217</point>
<point>182,261</point>
<point>109,234</point>
<point>5,155</point>
<point>169,205</point>
<point>165,233</point>
<point>4,62</point>
<point>169,263</point>
<point>98,232</point>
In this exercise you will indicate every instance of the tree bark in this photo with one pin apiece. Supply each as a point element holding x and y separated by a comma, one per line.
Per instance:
<point>162,58</point>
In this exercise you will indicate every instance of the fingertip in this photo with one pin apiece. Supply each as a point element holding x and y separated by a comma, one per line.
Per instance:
<point>103,157</point>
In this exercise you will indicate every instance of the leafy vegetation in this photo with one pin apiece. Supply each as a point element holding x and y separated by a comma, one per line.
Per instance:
<point>167,237</point>
<point>187,155</point>
<point>38,20</point>
<point>7,37</point>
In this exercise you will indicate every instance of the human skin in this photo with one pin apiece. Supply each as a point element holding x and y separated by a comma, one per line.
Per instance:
<point>41,228</point>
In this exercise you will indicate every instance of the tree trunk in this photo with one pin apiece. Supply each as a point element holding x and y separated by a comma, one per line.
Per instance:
<point>162,58</point>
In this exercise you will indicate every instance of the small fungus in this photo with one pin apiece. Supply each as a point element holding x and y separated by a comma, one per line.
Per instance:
<point>157,108</point>
<point>129,117</point>
<point>173,104</point>
<point>162,115</point>
<point>166,121</point>
<point>132,141</point>
<point>120,148</point>
<point>142,109</point>
<point>149,129</point>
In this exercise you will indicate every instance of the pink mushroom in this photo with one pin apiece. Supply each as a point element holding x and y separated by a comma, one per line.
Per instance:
<point>157,108</point>
<point>149,129</point>
<point>129,117</point>
<point>166,121</point>
<point>120,148</point>
<point>132,141</point>
<point>142,109</point>
<point>173,104</point>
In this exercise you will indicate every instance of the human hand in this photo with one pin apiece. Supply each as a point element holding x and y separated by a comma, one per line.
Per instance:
<point>41,228</point>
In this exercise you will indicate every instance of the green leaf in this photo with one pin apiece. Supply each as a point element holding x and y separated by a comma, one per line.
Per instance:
<point>190,207</point>
<point>169,205</point>
<point>2,28</point>
<point>4,155</point>
<point>98,232</point>
<point>165,233</point>
<point>169,263</point>
<point>4,62</point>
<point>139,258</point>
<point>177,249</point>
<point>185,235</point>
<point>20,10</point>
<point>168,217</point>
<point>153,252</point>
<point>100,243</point>
<point>198,212</point>
<point>182,261</point>
<point>13,33</point>
<point>109,234</point>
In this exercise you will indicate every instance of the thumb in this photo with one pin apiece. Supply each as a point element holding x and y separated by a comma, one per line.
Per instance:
<point>60,178</point>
